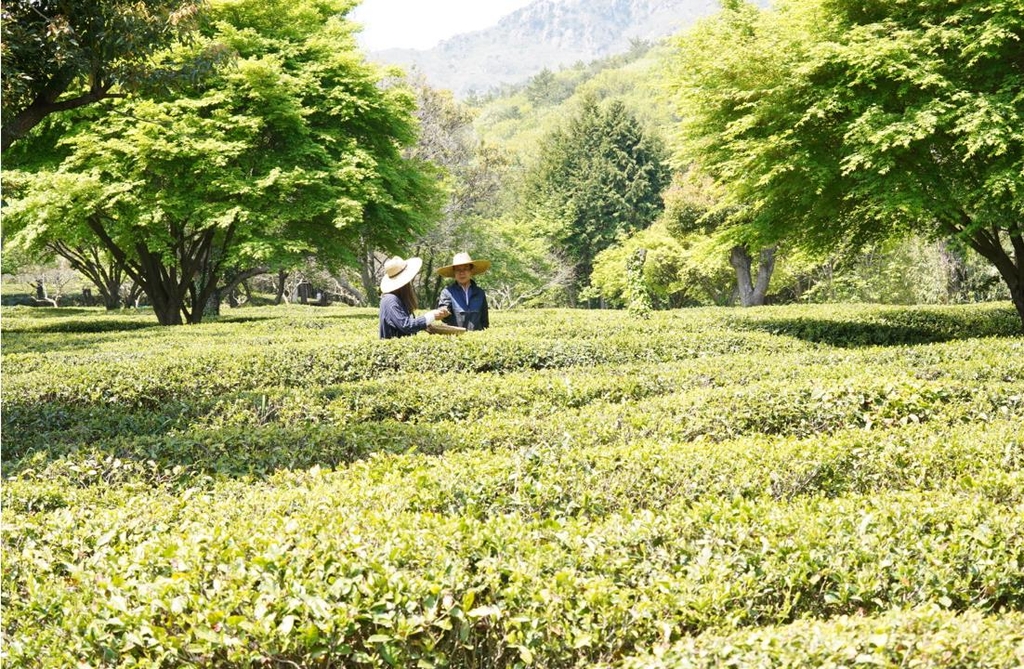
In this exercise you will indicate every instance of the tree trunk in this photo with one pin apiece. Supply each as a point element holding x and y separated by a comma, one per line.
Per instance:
<point>434,287</point>
<point>133,295</point>
<point>429,288</point>
<point>1013,274</point>
<point>369,285</point>
<point>106,275</point>
<point>1017,296</point>
<point>231,284</point>
<point>166,294</point>
<point>167,314</point>
<point>752,293</point>
<point>112,297</point>
<point>160,283</point>
<point>42,299</point>
<point>349,294</point>
<point>212,307</point>
<point>282,277</point>
<point>764,274</point>
<point>990,245</point>
<point>740,261</point>
<point>201,267</point>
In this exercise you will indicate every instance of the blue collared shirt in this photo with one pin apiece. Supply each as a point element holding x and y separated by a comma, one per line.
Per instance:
<point>468,307</point>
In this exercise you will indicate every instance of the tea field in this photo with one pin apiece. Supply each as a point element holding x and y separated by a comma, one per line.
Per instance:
<point>831,486</point>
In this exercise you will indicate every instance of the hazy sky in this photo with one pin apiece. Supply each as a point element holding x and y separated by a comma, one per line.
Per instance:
<point>420,24</point>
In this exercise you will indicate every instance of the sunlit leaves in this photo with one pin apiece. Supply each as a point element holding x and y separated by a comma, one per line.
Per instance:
<point>767,485</point>
<point>870,121</point>
<point>59,49</point>
<point>293,149</point>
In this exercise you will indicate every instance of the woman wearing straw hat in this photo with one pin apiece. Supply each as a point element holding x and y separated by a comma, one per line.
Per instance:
<point>465,300</point>
<point>398,302</point>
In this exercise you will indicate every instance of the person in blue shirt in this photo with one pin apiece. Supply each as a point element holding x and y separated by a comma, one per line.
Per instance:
<point>398,301</point>
<point>464,300</point>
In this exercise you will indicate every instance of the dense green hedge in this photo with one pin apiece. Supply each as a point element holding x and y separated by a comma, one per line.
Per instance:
<point>927,637</point>
<point>778,486</point>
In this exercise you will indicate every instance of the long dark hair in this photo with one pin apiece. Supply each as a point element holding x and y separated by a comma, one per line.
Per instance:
<point>407,296</point>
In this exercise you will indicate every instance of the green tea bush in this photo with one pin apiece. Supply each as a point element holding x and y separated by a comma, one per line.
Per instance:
<point>779,486</point>
<point>926,637</point>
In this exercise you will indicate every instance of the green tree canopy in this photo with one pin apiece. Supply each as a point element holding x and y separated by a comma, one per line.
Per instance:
<point>63,54</point>
<point>665,270</point>
<point>834,123</point>
<point>471,174</point>
<point>292,151</point>
<point>601,176</point>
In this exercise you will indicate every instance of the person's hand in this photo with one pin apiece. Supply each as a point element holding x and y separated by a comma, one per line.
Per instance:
<point>441,313</point>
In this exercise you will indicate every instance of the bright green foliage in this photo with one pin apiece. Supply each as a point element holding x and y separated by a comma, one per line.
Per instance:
<point>472,176</point>
<point>63,54</point>
<point>925,637</point>
<point>833,123</point>
<point>687,264</point>
<point>291,151</point>
<point>518,121</point>
<point>776,486</point>
<point>527,270</point>
<point>638,297</point>
<point>907,271</point>
<point>480,178</point>
<point>669,275</point>
<point>695,216</point>
<point>520,117</point>
<point>600,177</point>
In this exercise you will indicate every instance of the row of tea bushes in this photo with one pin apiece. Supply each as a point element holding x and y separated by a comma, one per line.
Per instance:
<point>926,638</point>
<point>873,325</point>
<point>717,396</point>
<point>259,432</point>
<point>548,472</point>
<point>569,488</point>
<point>151,378</point>
<point>285,573</point>
<point>341,345</point>
<point>404,502</point>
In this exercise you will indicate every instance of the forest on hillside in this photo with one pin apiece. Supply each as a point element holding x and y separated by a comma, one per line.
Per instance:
<point>811,152</point>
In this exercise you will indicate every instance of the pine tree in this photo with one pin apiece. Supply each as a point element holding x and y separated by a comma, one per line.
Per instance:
<point>601,177</point>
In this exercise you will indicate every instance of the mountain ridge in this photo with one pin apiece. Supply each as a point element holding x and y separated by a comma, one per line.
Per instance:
<point>546,34</point>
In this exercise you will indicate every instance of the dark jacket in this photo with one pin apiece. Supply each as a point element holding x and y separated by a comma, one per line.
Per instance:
<point>395,319</point>
<point>469,313</point>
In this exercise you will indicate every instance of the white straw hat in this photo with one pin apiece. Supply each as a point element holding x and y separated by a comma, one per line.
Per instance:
<point>463,258</point>
<point>398,272</point>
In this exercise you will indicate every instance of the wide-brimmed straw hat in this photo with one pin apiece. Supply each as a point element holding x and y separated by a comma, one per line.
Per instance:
<point>463,258</point>
<point>398,272</point>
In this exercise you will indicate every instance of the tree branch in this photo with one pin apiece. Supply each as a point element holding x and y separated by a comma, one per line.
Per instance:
<point>135,272</point>
<point>42,106</point>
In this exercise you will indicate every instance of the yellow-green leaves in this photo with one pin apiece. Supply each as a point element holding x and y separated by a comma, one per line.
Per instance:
<point>574,488</point>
